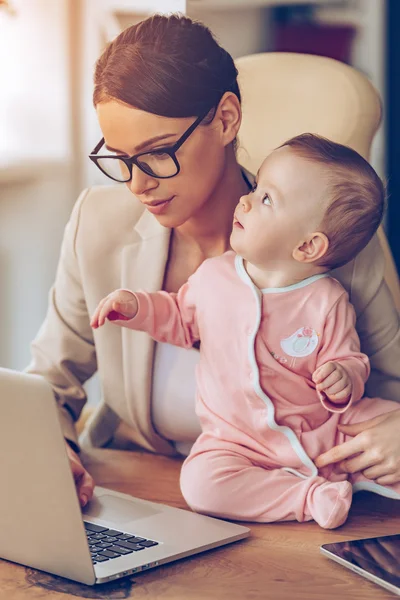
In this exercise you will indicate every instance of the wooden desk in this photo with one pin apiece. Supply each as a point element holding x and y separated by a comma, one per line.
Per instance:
<point>279,561</point>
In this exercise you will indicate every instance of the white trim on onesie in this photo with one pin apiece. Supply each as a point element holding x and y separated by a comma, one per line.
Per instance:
<point>289,433</point>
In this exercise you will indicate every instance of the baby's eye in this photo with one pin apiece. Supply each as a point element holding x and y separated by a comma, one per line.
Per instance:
<point>266,200</point>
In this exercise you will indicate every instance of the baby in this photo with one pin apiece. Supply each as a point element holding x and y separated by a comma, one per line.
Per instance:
<point>280,363</point>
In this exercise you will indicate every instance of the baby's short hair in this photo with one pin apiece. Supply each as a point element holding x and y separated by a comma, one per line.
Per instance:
<point>357,197</point>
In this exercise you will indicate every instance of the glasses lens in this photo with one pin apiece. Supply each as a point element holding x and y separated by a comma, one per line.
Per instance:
<point>114,168</point>
<point>159,164</point>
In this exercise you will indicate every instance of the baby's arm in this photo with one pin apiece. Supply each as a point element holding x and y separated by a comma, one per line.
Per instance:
<point>342,369</point>
<point>166,317</point>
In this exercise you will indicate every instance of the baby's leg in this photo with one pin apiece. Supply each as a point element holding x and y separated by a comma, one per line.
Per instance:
<point>369,408</point>
<point>226,484</point>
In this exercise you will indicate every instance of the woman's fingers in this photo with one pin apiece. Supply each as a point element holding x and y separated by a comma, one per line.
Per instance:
<point>356,428</point>
<point>339,453</point>
<point>390,479</point>
<point>85,487</point>
<point>376,471</point>
<point>84,482</point>
<point>365,460</point>
<point>374,451</point>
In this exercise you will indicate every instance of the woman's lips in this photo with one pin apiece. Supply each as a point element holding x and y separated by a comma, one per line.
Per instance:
<point>159,207</point>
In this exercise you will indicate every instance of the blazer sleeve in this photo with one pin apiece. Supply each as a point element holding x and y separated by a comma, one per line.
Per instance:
<point>378,321</point>
<point>63,351</point>
<point>167,317</point>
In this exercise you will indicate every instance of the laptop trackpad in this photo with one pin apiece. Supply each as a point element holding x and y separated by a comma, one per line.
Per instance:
<point>118,510</point>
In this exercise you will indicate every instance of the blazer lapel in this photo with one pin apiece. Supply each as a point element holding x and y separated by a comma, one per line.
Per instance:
<point>143,267</point>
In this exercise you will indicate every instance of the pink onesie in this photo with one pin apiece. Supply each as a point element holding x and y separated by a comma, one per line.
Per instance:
<point>263,423</point>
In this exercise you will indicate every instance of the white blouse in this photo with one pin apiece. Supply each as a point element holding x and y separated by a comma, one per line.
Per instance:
<point>173,395</point>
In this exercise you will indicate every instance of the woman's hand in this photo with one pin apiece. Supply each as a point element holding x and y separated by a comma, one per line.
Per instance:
<point>334,381</point>
<point>84,482</point>
<point>374,449</point>
<point>119,305</point>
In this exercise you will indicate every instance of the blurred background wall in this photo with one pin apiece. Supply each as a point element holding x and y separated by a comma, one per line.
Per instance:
<point>36,147</point>
<point>48,125</point>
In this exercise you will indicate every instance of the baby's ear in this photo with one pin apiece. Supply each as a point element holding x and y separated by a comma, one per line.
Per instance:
<point>311,249</point>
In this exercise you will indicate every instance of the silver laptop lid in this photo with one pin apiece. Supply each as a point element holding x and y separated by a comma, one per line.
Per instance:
<point>40,518</point>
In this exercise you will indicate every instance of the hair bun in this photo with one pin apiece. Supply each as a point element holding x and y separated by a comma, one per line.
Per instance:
<point>168,65</point>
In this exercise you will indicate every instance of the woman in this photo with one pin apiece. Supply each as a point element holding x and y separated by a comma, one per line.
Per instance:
<point>168,105</point>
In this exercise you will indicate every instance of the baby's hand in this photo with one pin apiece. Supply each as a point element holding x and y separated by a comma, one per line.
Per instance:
<point>120,305</point>
<point>333,379</point>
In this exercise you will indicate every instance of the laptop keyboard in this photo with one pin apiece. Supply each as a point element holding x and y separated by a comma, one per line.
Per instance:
<point>106,544</point>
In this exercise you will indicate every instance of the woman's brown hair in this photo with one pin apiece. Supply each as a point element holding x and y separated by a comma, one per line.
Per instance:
<point>170,66</point>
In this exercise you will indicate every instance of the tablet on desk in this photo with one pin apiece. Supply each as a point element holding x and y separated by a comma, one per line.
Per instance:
<point>377,559</point>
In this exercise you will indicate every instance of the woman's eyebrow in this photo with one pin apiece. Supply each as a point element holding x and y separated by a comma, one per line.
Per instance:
<point>143,145</point>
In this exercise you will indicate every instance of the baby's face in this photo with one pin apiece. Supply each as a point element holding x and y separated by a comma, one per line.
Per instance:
<point>287,202</point>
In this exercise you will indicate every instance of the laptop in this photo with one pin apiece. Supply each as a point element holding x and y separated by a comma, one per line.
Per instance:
<point>41,522</point>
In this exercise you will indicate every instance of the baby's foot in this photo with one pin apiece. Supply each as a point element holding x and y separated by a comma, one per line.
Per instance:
<point>329,503</point>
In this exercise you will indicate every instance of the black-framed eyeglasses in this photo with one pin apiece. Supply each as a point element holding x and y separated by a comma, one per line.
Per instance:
<point>160,163</point>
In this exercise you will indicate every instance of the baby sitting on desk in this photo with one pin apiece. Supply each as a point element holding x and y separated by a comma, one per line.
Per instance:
<point>280,361</point>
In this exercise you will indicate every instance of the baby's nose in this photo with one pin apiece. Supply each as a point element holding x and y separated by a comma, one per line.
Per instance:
<point>245,203</point>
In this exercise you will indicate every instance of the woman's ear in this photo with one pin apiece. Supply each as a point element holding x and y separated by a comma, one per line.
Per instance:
<point>311,249</point>
<point>229,115</point>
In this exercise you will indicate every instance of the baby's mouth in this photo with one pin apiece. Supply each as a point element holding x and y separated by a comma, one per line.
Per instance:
<point>237,224</point>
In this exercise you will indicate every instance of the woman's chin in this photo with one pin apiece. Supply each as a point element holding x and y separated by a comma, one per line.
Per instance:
<point>171,221</point>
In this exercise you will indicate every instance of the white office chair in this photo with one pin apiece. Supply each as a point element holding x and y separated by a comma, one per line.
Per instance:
<point>285,94</point>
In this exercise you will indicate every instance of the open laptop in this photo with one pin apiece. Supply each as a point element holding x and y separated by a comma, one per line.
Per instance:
<point>41,522</point>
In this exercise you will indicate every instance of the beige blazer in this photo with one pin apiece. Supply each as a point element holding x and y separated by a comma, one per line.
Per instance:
<point>112,242</point>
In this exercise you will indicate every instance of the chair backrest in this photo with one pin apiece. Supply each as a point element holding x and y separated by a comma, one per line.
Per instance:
<point>284,94</point>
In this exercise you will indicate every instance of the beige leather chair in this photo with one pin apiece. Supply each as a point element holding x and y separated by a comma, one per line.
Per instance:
<point>285,94</point>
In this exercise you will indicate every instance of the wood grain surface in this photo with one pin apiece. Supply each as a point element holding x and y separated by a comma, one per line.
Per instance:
<point>279,561</point>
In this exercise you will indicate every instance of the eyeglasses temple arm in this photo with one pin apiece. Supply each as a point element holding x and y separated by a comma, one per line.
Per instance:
<point>97,148</point>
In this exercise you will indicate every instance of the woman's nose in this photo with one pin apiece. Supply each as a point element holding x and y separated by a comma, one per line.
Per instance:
<point>141,182</point>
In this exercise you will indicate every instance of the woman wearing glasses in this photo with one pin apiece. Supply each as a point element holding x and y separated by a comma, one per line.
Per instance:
<point>168,104</point>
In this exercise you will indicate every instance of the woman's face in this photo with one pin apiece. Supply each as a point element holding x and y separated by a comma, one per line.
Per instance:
<point>201,157</point>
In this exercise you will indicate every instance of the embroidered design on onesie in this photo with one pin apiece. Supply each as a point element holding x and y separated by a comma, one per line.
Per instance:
<point>280,359</point>
<point>302,343</point>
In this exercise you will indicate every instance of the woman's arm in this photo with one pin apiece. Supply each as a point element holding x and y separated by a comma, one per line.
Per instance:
<point>63,351</point>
